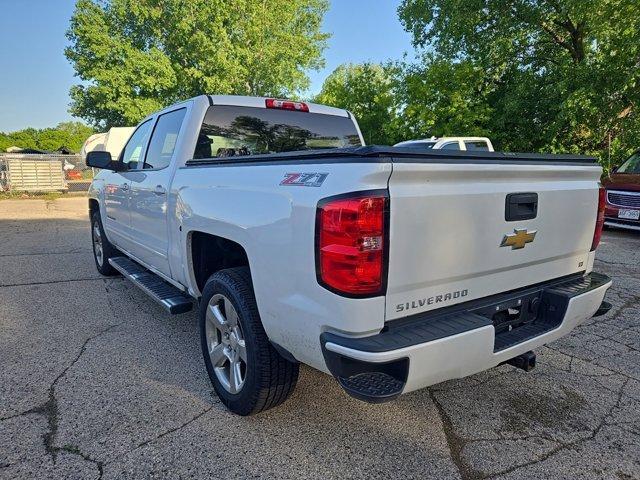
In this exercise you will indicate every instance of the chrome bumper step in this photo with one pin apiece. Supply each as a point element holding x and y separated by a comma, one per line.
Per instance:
<point>169,297</point>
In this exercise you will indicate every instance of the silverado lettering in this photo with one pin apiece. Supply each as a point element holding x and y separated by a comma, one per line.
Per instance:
<point>401,307</point>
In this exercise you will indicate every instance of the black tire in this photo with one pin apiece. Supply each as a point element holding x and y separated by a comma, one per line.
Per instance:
<point>269,377</point>
<point>108,250</point>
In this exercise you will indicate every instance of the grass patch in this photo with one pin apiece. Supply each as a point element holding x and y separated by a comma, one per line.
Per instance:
<point>49,196</point>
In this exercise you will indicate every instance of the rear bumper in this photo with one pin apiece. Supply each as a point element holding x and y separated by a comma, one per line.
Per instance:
<point>424,350</point>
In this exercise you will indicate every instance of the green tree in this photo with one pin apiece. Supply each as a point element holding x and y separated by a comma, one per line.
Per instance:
<point>135,56</point>
<point>70,135</point>
<point>66,134</point>
<point>366,90</point>
<point>5,142</point>
<point>560,76</point>
<point>441,98</point>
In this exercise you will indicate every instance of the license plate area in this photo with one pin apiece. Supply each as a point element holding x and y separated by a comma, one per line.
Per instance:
<point>514,313</point>
<point>527,314</point>
<point>629,214</point>
<point>524,317</point>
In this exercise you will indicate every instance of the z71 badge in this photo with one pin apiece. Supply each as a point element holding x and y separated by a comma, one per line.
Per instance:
<point>304,179</point>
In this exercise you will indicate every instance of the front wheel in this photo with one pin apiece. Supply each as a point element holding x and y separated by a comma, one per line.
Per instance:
<point>102,248</point>
<point>246,371</point>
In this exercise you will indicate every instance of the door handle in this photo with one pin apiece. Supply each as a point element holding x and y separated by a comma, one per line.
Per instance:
<point>159,190</point>
<point>125,186</point>
<point>521,206</point>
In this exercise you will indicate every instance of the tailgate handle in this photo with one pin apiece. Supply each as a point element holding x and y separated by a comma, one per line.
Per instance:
<point>521,206</point>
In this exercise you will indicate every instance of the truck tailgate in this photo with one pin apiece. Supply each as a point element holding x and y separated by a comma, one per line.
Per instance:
<point>448,223</point>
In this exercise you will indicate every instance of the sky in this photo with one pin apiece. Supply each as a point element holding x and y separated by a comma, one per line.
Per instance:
<point>35,76</point>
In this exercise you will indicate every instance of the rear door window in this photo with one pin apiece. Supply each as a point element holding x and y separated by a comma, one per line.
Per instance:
<point>229,131</point>
<point>163,139</point>
<point>477,145</point>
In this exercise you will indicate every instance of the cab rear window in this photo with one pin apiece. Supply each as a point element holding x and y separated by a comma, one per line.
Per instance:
<point>229,131</point>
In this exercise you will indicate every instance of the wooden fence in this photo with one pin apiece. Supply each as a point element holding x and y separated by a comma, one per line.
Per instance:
<point>43,173</point>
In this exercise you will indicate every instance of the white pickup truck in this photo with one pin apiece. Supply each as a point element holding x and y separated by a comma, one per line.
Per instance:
<point>471,144</point>
<point>391,269</point>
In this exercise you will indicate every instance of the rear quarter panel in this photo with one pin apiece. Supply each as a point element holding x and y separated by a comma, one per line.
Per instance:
<point>275,224</point>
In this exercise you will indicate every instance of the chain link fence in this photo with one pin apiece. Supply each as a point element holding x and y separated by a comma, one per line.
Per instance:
<point>24,175</point>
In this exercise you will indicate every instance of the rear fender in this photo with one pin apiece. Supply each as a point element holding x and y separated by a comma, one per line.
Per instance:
<point>275,224</point>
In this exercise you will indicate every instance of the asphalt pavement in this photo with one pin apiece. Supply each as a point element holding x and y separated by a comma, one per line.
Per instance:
<point>97,381</point>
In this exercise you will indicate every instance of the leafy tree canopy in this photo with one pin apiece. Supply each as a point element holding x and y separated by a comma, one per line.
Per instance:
<point>367,91</point>
<point>136,56</point>
<point>440,98</point>
<point>559,76</point>
<point>67,134</point>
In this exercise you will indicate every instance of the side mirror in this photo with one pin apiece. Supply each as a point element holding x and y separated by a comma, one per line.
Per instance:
<point>101,159</point>
<point>614,169</point>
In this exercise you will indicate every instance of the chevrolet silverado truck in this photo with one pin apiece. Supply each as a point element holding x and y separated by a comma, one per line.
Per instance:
<point>391,269</point>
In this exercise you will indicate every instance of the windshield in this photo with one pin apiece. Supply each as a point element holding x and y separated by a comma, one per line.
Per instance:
<point>632,165</point>
<point>416,144</point>
<point>229,131</point>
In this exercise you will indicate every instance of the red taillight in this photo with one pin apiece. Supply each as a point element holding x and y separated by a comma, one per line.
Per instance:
<point>597,234</point>
<point>351,236</point>
<point>287,105</point>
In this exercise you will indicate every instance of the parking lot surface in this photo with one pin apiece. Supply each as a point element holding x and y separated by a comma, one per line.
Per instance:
<point>97,381</point>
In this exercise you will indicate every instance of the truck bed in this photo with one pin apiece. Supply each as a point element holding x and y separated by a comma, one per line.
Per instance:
<point>376,153</point>
<point>448,218</point>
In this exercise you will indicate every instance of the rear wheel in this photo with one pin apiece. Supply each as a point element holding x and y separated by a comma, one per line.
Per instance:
<point>246,371</point>
<point>103,250</point>
<point>227,346</point>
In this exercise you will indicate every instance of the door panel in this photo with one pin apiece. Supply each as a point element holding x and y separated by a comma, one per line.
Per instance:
<point>149,193</point>
<point>118,189</point>
<point>116,203</point>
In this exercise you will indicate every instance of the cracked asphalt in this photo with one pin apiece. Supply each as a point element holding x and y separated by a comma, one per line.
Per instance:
<point>96,381</point>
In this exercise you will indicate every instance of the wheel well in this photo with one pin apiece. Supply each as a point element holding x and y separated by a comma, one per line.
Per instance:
<point>93,206</point>
<point>210,253</point>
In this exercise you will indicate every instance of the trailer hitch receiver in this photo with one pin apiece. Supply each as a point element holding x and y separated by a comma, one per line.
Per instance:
<point>526,361</point>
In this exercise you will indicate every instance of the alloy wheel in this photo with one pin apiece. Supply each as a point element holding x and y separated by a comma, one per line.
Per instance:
<point>226,344</point>
<point>97,244</point>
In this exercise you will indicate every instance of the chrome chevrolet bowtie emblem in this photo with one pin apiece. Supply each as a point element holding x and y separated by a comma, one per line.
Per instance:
<point>518,239</point>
